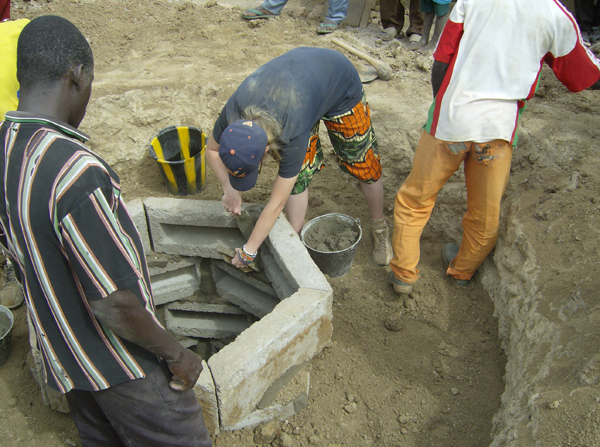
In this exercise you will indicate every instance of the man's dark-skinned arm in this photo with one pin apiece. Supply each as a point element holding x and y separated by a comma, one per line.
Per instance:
<point>438,72</point>
<point>122,313</point>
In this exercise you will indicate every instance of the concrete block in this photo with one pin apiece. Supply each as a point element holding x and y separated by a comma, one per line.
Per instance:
<point>293,259</point>
<point>245,277</point>
<point>206,395</point>
<point>31,329</point>
<point>292,398</point>
<point>203,348</point>
<point>160,314</point>
<point>175,285</point>
<point>297,329</point>
<point>263,415</point>
<point>195,306</point>
<point>205,213</point>
<point>217,345</point>
<point>57,401</point>
<point>243,295</point>
<point>205,325</point>
<point>207,283</point>
<point>187,342</point>
<point>191,227</point>
<point>161,263</point>
<point>137,212</point>
<point>279,281</point>
<point>293,383</point>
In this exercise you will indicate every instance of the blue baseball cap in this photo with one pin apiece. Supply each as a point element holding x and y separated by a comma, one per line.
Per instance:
<point>241,149</point>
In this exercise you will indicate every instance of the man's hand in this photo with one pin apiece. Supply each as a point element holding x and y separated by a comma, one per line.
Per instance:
<point>123,314</point>
<point>186,370</point>
<point>232,202</point>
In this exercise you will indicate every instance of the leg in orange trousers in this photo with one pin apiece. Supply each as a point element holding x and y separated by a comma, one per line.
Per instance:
<point>487,166</point>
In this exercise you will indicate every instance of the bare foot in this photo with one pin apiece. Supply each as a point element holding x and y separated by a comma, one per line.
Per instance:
<point>428,49</point>
<point>412,46</point>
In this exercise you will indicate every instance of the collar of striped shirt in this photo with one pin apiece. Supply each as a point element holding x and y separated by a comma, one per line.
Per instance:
<point>24,117</point>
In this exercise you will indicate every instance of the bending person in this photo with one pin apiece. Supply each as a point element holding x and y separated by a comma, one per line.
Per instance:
<point>277,109</point>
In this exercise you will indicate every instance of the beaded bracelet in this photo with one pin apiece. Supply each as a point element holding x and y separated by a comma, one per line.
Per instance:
<point>247,258</point>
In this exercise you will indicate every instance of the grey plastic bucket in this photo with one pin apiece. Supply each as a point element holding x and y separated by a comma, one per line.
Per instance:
<point>6,325</point>
<point>332,263</point>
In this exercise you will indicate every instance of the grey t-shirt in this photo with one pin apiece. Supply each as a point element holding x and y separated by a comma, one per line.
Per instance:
<point>297,89</point>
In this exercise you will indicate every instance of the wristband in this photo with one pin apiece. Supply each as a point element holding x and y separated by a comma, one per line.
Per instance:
<point>247,258</point>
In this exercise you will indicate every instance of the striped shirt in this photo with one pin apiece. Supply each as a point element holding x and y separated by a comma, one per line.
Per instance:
<point>495,50</point>
<point>65,227</point>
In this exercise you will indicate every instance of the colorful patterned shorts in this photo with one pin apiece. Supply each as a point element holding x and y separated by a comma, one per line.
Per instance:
<point>354,143</point>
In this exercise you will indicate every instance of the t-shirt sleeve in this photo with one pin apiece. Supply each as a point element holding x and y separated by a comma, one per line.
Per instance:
<point>453,31</point>
<point>101,253</point>
<point>573,64</point>
<point>220,126</point>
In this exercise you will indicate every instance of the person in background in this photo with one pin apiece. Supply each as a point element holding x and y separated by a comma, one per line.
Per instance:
<point>587,14</point>
<point>433,10</point>
<point>4,10</point>
<point>481,86</point>
<point>81,262</point>
<point>392,20</point>
<point>277,109</point>
<point>338,10</point>
<point>11,295</point>
<point>9,86</point>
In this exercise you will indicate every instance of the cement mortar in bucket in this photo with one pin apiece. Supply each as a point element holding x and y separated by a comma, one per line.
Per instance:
<point>331,241</point>
<point>179,151</point>
<point>6,325</point>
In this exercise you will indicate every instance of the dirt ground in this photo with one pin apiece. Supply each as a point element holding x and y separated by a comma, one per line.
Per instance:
<point>427,370</point>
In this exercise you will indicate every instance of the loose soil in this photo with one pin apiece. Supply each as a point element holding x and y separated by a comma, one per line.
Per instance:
<point>422,370</point>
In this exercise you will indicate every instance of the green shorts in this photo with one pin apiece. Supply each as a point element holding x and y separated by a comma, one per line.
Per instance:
<point>441,8</point>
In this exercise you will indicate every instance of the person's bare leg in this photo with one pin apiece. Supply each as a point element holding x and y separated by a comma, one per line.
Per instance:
<point>373,193</point>
<point>427,23</point>
<point>382,246</point>
<point>295,210</point>
<point>440,23</point>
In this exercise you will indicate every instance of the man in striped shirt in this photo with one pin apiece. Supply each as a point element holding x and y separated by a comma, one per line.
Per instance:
<point>487,66</point>
<point>81,261</point>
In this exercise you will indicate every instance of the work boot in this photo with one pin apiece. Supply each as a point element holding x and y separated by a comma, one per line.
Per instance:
<point>448,254</point>
<point>399,286</point>
<point>12,295</point>
<point>382,247</point>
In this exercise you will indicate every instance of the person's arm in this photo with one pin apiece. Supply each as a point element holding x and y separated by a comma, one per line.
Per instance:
<point>282,188</point>
<point>595,86</point>
<point>232,199</point>
<point>123,314</point>
<point>437,75</point>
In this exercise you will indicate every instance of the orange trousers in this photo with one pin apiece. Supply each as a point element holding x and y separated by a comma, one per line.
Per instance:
<point>487,166</point>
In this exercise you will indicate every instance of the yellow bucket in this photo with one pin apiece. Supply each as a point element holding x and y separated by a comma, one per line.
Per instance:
<point>179,151</point>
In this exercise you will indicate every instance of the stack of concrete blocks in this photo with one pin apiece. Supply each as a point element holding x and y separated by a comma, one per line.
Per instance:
<point>55,399</point>
<point>263,327</point>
